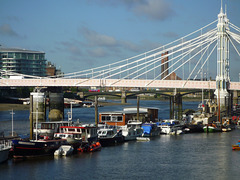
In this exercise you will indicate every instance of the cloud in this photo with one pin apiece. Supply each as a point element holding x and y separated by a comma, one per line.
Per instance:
<point>97,52</point>
<point>91,47</point>
<point>72,47</point>
<point>171,35</point>
<point>96,39</point>
<point>7,30</point>
<point>154,9</point>
<point>150,9</point>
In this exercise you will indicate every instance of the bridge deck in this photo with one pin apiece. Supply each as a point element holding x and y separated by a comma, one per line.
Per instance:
<point>113,83</point>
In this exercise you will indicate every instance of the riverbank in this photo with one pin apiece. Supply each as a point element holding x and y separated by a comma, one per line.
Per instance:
<point>15,107</point>
<point>22,107</point>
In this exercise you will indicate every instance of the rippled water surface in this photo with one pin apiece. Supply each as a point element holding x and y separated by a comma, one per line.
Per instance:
<point>188,156</point>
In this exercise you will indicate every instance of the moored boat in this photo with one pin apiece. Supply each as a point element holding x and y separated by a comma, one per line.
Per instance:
<point>150,129</point>
<point>193,128</point>
<point>5,147</point>
<point>236,146</point>
<point>213,127</point>
<point>170,126</point>
<point>143,139</point>
<point>92,147</point>
<point>132,130</point>
<point>108,136</point>
<point>64,150</point>
<point>34,148</point>
<point>85,132</point>
<point>49,128</point>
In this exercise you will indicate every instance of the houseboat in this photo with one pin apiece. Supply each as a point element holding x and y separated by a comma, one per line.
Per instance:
<point>86,132</point>
<point>34,148</point>
<point>121,118</point>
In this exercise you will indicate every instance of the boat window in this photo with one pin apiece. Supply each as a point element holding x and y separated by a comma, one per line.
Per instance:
<point>103,118</point>
<point>119,118</point>
<point>110,133</point>
<point>114,118</point>
<point>71,129</point>
<point>106,118</point>
<point>78,130</point>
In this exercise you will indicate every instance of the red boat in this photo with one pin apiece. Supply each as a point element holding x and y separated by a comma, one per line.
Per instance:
<point>90,148</point>
<point>236,146</point>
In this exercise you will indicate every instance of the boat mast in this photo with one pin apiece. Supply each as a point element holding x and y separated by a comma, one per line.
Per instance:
<point>12,113</point>
<point>37,118</point>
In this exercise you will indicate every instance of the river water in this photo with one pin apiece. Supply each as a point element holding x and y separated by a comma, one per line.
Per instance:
<point>188,156</point>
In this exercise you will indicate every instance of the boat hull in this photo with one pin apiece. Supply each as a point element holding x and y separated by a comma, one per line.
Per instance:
<point>4,155</point>
<point>209,129</point>
<point>27,149</point>
<point>235,147</point>
<point>111,141</point>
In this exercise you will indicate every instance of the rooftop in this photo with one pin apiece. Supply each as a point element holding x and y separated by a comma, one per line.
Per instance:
<point>18,50</point>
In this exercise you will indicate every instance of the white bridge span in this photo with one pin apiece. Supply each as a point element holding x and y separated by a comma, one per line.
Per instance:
<point>114,83</point>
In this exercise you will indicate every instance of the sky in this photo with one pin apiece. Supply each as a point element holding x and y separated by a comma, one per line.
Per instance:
<point>82,34</point>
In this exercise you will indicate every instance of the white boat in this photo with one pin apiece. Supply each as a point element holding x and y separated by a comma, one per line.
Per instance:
<point>49,128</point>
<point>108,136</point>
<point>132,130</point>
<point>78,132</point>
<point>101,99</point>
<point>171,126</point>
<point>143,139</point>
<point>64,150</point>
<point>5,146</point>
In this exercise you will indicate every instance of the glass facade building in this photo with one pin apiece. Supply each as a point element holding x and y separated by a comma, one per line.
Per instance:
<point>23,61</point>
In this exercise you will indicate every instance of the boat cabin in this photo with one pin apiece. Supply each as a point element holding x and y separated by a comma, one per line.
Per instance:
<point>49,128</point>
<point>86,132</point>
<point>121,118</point>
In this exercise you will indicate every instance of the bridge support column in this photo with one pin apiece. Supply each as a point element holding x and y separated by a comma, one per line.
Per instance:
<point>56,104</point>
<point>37,109</point>
<point>124,97</point>
<point>235,97</point>
<point>138,102</point>
<point>171,102</point>
<point>96,110</point>
<point>81,95</point>
<point>179,104</point>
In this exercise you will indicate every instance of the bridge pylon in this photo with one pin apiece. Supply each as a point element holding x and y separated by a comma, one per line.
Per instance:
<point>222,78</point>
<point>124,97</point>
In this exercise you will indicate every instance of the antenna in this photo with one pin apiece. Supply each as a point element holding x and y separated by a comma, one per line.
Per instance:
<point>221,11</point>
<point>225,8</point>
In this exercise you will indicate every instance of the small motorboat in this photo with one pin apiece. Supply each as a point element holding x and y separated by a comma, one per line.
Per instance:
<point>64,150</point>
<point>236,146</point>
<point>90,148</point>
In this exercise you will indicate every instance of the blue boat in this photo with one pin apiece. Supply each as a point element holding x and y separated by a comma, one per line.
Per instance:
<point>150,129</point>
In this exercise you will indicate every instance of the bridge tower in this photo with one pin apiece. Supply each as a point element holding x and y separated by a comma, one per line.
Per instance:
<point>222,78</point>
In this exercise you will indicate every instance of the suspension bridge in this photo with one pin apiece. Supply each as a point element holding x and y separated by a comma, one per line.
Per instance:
<point>187,63</point>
